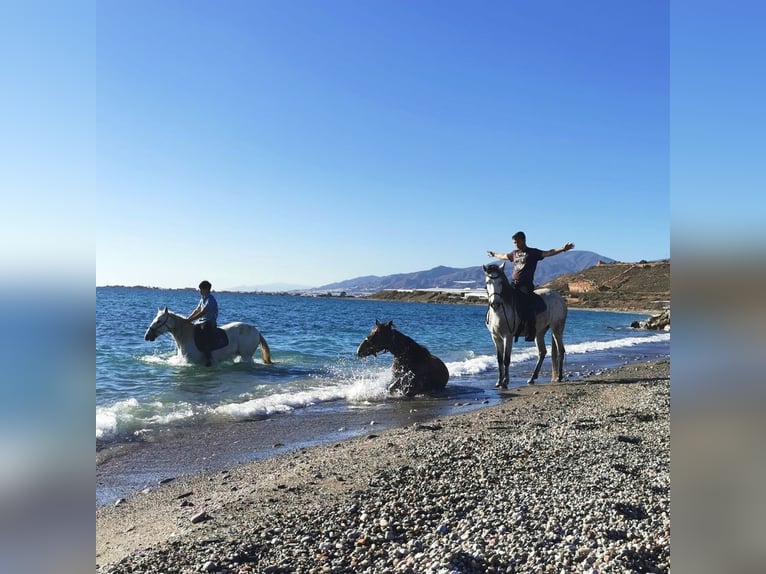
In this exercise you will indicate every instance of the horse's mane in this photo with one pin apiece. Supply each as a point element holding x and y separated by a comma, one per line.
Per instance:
<point>404,343</point>
<point>174,314</point>
<point>408,340</point>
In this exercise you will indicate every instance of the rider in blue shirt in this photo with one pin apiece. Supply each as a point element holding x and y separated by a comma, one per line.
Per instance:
<point>206,315</point>
<point>525,261</point>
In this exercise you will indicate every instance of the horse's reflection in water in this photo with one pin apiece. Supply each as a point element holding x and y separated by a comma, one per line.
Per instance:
<point>415,369</point>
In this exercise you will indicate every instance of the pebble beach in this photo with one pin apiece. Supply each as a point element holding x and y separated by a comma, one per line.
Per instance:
<point>559,477</point>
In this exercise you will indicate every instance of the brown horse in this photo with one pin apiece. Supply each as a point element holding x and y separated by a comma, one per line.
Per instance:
<point>415,369</point>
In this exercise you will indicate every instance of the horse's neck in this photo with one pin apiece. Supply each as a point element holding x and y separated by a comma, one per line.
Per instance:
<point>505,292</point>
<point>401,343</point>
<point>183,329</point>
<point>508,293</point>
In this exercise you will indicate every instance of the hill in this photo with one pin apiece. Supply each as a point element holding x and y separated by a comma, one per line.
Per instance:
<point>642,286</point>
<point>442,277</point>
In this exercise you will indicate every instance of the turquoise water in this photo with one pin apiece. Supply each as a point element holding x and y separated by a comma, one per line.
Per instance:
<point>143,388</point>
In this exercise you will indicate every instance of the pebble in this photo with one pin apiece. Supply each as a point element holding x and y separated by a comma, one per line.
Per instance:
<point>575,485</point>
<point>199,517</point>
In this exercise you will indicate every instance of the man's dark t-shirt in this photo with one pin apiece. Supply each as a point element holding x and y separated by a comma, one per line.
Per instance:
<point>525,264</point>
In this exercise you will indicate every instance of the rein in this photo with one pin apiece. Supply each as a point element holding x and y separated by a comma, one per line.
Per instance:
<point>166,318</point>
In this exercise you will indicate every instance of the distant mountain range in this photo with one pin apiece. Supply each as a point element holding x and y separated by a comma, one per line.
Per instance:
<point>466,278</point>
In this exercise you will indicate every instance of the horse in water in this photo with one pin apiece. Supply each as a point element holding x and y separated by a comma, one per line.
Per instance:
<point>503,323</point>
<point>415,369</point>
<point>232,340</point>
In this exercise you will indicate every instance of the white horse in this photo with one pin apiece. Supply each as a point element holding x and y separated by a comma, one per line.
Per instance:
<point>243,339</point>
<point>503,322</point>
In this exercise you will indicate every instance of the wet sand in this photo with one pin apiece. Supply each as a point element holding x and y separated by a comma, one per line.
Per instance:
<point>126,469</point>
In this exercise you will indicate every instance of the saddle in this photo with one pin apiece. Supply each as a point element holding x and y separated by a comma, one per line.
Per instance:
<point>220,339</point>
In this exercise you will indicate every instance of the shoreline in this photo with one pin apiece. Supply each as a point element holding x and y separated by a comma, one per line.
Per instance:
<point>564,474</point>
<point>440,298</point>
<point>125,469</point>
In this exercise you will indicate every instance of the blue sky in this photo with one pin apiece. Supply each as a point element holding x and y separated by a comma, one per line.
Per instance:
<point>304,142</point>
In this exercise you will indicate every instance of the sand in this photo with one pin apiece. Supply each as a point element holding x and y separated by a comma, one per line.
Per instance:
<point>217,520</point>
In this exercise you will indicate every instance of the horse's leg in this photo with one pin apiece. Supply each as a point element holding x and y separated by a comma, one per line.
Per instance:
<point>405,383</point>
<point>541,352</point>
<point>557,354</point>
<point>411,384</point>
<point>398,376</point>
<point>499,349</point>
<point>265,351</point>
<point>503,348</point>
<point>500,372</point>
<point>507,360</point>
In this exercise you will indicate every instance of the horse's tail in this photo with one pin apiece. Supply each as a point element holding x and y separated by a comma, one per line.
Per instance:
<point>265,351</point>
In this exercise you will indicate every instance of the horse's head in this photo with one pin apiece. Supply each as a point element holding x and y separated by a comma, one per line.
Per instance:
<point>494,280</point>
<point>378,340</point>
<point>159,325</point>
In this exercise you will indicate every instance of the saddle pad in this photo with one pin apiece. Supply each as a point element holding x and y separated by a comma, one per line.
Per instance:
<point>220,340</point>
<point>538,304</point>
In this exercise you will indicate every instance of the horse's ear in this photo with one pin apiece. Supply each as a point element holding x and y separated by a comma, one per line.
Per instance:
<point>484,267</point>
<point>502,266</point>
<point>166,309</point>
<point>377,323</point>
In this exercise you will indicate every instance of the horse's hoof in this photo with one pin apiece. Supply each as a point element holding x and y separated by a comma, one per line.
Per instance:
<point>530,382</point>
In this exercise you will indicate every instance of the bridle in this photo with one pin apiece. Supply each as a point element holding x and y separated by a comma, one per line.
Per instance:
<point>376,348</point>
<point>396,343</point>
<point>494,276</point>
<point>154,329</point>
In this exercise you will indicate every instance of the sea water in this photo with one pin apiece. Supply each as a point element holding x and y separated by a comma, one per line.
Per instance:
<point>144,389</point>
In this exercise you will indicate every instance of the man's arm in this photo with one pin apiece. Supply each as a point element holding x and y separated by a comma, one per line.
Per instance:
<point>496,255</point>
<point>196,313</point>
<point>550,252</point>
